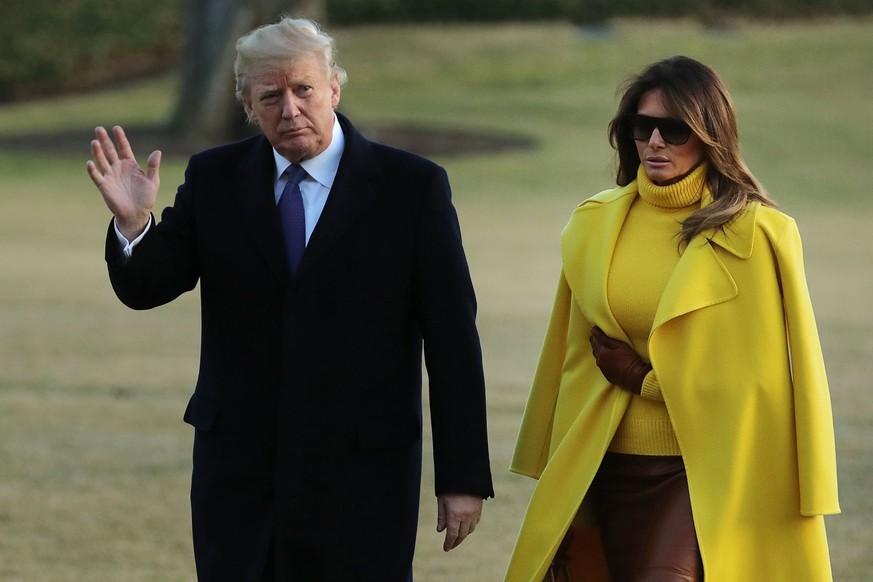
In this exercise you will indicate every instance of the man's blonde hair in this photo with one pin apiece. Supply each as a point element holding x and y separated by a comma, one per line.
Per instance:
<point>274,47</point>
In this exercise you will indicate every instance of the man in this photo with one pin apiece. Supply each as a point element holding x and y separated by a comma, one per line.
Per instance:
<point>307,409</point>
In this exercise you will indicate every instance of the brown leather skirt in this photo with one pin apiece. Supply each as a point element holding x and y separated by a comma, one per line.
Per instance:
<point>643,511</point>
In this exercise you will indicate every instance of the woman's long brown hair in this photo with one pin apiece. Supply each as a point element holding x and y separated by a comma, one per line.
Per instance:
<point>694,93</point>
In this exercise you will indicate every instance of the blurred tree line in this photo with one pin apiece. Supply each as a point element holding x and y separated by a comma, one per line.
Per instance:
<point>55,46</point>
<point>580,11</point>
<point>50,47</point>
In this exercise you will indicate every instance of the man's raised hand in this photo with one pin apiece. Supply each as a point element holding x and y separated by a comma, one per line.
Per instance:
<point>129,192</point>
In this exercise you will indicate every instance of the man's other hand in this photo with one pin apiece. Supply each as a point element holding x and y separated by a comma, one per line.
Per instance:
<point>457,515</point>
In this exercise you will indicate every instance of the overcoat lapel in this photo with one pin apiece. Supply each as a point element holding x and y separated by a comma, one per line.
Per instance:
<point>701,279</point>
<point>257,202</point>
<point>352,191</point>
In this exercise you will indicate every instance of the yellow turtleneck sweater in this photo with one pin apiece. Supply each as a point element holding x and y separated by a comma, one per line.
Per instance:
<point>645,255</point>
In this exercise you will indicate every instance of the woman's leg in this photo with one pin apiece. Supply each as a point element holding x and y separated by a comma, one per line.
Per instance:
<point>669,551</point>
<point>644,515</point>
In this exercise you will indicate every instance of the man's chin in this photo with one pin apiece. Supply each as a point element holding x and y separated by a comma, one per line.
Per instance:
<point>297,149</point>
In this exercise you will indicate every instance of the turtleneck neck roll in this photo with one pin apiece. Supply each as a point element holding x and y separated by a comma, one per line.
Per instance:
<point>680,194</point>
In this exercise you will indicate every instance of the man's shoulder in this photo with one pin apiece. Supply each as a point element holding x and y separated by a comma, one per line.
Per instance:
<point>229,152</point>
<point>386,156</point>
<point>393,155</point>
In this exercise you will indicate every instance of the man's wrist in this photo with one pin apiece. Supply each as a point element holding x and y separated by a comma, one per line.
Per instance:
<point>128,244</point>
<point>130,230</point>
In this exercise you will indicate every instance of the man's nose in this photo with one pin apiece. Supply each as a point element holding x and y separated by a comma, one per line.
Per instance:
<point>290,107</point>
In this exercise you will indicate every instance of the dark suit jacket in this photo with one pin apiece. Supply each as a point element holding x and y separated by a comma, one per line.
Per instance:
<point>307,408</point>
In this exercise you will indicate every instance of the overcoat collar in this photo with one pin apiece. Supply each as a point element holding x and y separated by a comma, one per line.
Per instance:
<point>700,279</point>
<point>352,191</point>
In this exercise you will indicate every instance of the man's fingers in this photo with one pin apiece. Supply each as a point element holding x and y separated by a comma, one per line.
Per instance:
<point>123,144</point>
<point>463,531</point>
<point>452,534</point>
<point>100,162</point>
<point>154,164</point>
<point>95,174</point>
<point>458,515</point>
<point>458,534</point>
<point>441,516</point>
<point>107,148</point>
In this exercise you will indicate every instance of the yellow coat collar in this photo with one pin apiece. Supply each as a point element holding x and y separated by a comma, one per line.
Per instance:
<point>700,279</point>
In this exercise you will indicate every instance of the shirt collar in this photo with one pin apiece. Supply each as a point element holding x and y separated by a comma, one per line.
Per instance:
<point>322,167</point>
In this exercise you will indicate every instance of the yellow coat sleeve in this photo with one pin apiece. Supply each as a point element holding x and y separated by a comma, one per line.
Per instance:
<point>812,406</point>
<point>535,435</point>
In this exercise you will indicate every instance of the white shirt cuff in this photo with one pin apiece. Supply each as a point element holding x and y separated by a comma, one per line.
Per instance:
<point>126,245</point>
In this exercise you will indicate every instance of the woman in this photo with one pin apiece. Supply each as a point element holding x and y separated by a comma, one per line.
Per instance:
<point>679,421</point>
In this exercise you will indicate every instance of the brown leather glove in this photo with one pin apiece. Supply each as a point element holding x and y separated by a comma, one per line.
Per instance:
<point>618,362</point>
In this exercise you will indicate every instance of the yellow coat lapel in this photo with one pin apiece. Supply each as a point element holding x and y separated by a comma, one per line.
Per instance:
<point>701,279</point>
<point>587,245</point>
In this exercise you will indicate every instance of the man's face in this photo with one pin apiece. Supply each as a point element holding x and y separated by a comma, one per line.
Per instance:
<point>294,108</point>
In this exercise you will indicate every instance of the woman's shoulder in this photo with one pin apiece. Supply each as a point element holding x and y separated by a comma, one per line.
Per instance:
<point>773,215</point>
<point>759,220</point>
<point>772,220</point>
<point>600,213</point>
<point>608,196</point>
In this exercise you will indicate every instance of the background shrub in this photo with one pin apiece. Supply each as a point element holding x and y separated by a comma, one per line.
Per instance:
<point>580,11</point>
<point>56,46</point>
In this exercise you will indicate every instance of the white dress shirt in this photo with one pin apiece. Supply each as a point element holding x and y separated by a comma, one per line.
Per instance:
<point>321,172</point>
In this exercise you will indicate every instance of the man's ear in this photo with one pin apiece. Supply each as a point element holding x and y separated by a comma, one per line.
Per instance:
<point>336,90</point>
<point>247,107</point>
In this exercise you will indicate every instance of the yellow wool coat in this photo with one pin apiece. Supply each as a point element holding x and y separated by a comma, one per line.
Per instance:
<point>735,347</point>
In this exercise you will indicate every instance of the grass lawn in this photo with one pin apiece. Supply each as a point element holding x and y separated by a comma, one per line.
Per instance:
<point>94,457</point>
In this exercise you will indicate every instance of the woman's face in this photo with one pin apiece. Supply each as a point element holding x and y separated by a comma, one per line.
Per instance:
<point>664,162</point>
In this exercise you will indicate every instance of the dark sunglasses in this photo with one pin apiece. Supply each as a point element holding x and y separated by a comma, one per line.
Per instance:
<point>673,131</point>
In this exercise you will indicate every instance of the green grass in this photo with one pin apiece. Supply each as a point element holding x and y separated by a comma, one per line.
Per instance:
<point>94,458</point>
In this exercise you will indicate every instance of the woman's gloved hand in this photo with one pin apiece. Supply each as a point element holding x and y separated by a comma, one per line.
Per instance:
<point>618,362</point>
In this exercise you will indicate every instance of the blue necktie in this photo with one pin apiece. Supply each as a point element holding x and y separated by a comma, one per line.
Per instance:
<point>292,215</point>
